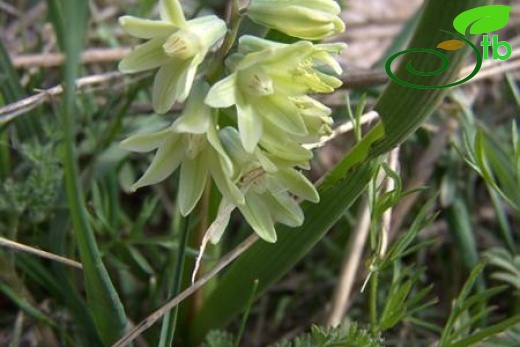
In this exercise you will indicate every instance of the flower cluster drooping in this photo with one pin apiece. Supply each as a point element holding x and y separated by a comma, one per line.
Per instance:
<point>247,132</point>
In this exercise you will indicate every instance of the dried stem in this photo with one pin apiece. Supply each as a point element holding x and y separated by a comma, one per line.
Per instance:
<point>350,266</point>
<point>31,250</point>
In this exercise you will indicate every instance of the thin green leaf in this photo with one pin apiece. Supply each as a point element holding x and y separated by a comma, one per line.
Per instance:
<point>459,222</point>
<point>103,301</point>
<point>169,323</point>
<point>24,305</point>
<point>459,304</point>
<point>402,111</point>
<point>11,90</point>
<point>486,333</point>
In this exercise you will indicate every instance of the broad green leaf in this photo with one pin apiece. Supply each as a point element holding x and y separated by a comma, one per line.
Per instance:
<point>402,110</point>
<point>482,19</point>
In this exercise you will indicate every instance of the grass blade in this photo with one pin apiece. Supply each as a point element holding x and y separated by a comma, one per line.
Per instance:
<point>11,90</point>
<point>169,322</point>
<point>102,298</point>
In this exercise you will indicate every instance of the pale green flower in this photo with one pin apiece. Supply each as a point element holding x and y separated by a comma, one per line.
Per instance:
<point>306,19</point>
<point>268,82</point>
<point>176,46</point>
<point>192,143</point>
<point>269,190</point>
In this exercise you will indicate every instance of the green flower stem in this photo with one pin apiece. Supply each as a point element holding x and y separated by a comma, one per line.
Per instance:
<point>197,300</point>
<point>169,322</point>
<point>374,282</point>
<point>235,18</point>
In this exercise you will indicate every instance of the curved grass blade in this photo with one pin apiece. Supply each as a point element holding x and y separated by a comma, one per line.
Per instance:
<point>102,298</point>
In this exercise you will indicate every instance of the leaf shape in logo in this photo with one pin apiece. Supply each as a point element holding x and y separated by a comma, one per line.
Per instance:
<point>482,19</point>
<point>451,45</point>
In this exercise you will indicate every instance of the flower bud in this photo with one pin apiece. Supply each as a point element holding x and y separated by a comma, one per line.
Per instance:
<point>306,19</point>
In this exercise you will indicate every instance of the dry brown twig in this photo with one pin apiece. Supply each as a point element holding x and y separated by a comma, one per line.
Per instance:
<point>15,109</point>
<point>349,267</point>
<point>11,111</point>
<point>38,252</point>
<point>91,56</point>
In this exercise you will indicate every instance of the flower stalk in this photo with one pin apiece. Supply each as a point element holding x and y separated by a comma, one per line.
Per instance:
<point>235,18</point>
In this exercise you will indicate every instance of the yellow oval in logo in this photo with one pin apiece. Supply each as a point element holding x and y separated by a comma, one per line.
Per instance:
<point>451,45</point>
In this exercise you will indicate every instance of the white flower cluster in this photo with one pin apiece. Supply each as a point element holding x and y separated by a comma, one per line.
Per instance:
<point>255,161</point>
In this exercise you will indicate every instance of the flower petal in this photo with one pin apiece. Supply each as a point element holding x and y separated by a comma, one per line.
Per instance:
<point>144,57</point>
<point>284,209</point>
<point>326,58</point>
<point>256,213</point>
<point>146,142</point>
<point>283,145</point>
<point>214,140</point>
<point>210,29</point>
<point>196,117</point>
<point>224,213</point>
<point>223,93</point>
<point>146,29</point>
<point>297,184</point>
<point>281,112</point>
<point>249,125</point>
<point>249,44</point>
<point>166,160</point>
<point>171,11</point>
<point>227,188</point>
<point>186,79</point>
<point>312,20</point>
<point>169,83</point>
<point>265,162</point>
<point>194,173</point>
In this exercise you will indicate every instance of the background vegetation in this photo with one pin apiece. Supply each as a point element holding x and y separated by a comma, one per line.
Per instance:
<point>415,246</point>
